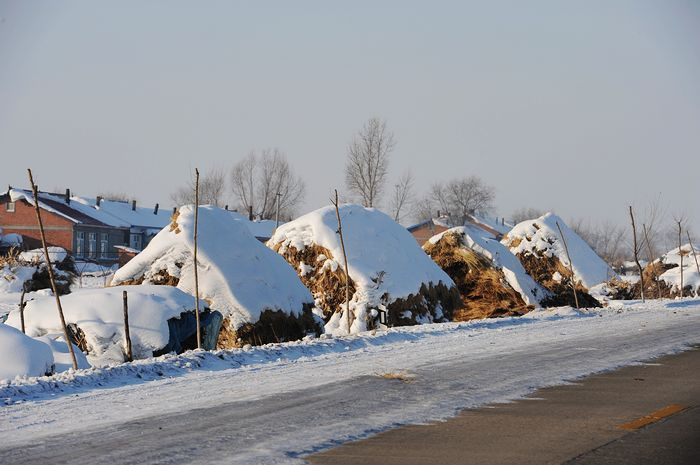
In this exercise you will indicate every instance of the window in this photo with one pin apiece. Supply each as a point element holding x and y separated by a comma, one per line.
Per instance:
<point>80,244</point>
<point>104,243</point>
<point>10,207</point>
<point>92,244</point>
<point>135,241</point>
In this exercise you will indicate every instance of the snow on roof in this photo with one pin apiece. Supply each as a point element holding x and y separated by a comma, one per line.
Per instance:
<point>486,244</point>
<point>493,223</point>
<point>75,211</point>
<point>21,355</point>
<point>99,314</point>
<point>123,213</point>
<point>541,237</point>
<point>374,243</point>
<point>239,276</point>
<point>690,272</point>
<point>262,229</point>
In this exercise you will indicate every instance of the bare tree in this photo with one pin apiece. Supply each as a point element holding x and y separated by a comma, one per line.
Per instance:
<point>636,249</point>
<point>402,196</point>
<point>526,213</point>
<point>114,196</point>
<point>606,239</point>
<point>367,164</point>
<point>258,181</point>
<point>212,189</point>
<point>463,197</point>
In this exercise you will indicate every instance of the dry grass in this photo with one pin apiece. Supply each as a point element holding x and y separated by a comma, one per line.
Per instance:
<point>327,286</point>
<point>483,288</point>
<point>402,376</point>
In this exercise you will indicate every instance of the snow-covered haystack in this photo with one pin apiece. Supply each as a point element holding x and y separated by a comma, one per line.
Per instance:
<point>21,355</point>
<point>667,271</point>
<point>388,270</point>
<point>27,270</point>
<point>491,280</point>
<point>538,245</point>
<point>261,298</point>
<point>158,316</point>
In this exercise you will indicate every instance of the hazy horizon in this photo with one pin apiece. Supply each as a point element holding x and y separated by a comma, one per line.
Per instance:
<point>582,108</point>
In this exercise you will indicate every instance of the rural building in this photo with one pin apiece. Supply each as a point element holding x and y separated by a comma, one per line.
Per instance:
<point>86,228</point>
<point>427,229</point>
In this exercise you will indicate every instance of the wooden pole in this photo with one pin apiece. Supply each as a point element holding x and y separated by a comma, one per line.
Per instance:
<point>52,279</point>
<point>196,273</point>
<point>680,254</point>
<point>127,336</point>
<point>345,258</point>
<point>651,260</point>
<point>697,266</point>
<point>21,310</point>
<point>571,265</point>
<point>636,255</point>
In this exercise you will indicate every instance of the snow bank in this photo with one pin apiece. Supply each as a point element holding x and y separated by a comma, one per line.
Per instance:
<point>20,355</point>
<point>238,275</point>
<point>486,244</point>
<point>540,237</point>
<point>384,262</point>
<point>98,313</point>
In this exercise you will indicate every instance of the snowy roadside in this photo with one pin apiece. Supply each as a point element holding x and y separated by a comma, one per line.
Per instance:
<point>496,353</point>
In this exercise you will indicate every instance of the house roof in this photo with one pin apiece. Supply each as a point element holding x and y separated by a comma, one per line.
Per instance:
<point>55,203</point>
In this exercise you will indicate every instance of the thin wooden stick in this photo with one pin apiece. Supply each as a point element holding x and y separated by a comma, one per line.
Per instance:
<point>127,336</point>
<point>680,254</point>
<point>196,274</point>
<point>50,269</point>
<point>345,258</point>
<point>651,260</point>
<point>21,310</point>
<point>636,255</point>
<point>571,265</point>
<point>697,266</point>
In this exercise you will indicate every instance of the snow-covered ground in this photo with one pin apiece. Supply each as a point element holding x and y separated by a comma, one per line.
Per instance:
<point>456,365</point>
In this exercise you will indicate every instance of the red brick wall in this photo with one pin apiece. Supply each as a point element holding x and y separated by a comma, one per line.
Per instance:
<point>59,231</point>
<point>425,232</point>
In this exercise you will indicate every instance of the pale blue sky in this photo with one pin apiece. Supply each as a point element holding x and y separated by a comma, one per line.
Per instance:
<point>581,107</point>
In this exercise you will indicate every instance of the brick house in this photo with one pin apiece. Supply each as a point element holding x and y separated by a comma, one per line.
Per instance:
<point>86,228</point>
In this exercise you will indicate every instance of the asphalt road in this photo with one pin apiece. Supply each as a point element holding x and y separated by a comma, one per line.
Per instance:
<point>603,419</point>
<point>573,422</point>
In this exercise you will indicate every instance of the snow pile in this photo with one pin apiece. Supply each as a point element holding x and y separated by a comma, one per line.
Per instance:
<point>668,270</point>
<point>61,356</point>
<point>27,271</point>
<point>540,237</point>
<point>538,245</point>
<point>388,271</point>
<point>10,240</point>
<point>20,355</point>
<point>99,320</point>
<point>238,275</point>
<point>491,280</point>
<point>56,255</point>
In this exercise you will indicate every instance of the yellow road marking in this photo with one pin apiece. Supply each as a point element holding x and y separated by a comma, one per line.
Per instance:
<point>653,417</point>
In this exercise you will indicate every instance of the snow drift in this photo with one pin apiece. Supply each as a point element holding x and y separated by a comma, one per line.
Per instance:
<point>491,280</point>
<point>20,355</point>
<point>261,298</point>
<point>667,270</point>
<point>388,271</point>
<point>96,321</point>
<point>538,245</point>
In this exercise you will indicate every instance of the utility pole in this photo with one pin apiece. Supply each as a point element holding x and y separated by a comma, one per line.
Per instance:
<point>277,215</point>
